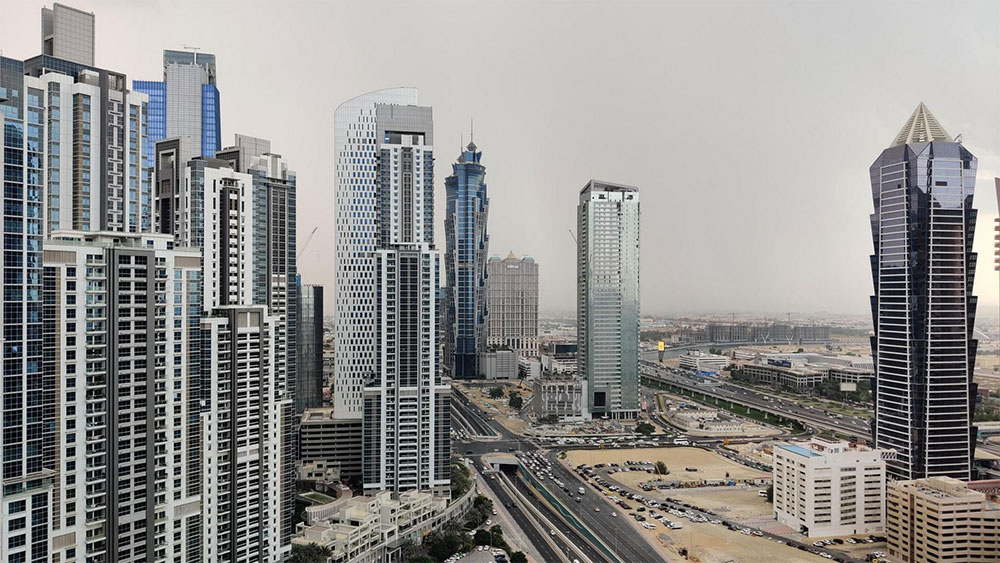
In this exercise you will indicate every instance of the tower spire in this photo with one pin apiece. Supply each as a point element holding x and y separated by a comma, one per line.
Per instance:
<point>472,136</point>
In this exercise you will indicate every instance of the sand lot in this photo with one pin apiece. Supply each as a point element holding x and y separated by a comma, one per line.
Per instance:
<point>712,543</point>
<point>709,464</point>
<point>734,503</point>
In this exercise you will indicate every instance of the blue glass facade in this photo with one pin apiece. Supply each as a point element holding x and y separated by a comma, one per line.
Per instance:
<point>156,121</point>
<point>28,389</point>
<point>465,264</point>
<point>211,132</point>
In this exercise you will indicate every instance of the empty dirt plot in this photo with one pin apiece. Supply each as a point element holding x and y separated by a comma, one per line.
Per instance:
<point>733,503</point>
<point>714,543</point>
<point>709,465</point>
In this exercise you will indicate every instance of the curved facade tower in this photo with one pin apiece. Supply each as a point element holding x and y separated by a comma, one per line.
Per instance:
<point>923,309</point>
<point>465,264</point>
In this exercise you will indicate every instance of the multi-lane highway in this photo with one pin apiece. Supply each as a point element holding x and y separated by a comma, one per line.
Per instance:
<point>612,531</point>
<point>813,416</point>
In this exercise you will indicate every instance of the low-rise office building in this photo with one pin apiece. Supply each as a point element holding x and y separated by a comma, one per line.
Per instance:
<point>701,361</point>
<point>830,487</point>
<point>499,364</point>
<point>943,519</point>
<point>325,438</point>
<point>563,397</point>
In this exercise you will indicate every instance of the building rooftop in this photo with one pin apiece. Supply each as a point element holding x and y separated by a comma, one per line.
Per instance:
<point>798,450</point>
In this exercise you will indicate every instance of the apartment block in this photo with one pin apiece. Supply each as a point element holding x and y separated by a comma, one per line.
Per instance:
<point>942,519</point>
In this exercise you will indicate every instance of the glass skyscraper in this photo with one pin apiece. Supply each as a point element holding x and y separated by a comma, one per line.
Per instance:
<point>923,309</point>
<point>465,264</point>
<point>184,103</point>
<point>607,307</point>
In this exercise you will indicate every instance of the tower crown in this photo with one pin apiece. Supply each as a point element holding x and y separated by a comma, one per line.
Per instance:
<point>921,127</point>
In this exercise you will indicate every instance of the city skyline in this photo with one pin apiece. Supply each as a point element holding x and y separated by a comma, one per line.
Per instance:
<point>542,147</point>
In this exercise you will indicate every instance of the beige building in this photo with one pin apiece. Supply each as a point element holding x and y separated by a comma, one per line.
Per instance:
<point>942,519</point>
<point>512,302</point>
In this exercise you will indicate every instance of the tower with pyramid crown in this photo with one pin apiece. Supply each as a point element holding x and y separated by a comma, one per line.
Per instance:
<point>923,310</point>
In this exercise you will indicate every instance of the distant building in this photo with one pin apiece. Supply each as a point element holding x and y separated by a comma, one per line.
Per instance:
<point>466,248</point>
<point>184,103</point>
<point>804,371</point>
<point>703,362</point>
<point>529,368</point>
<point>558,357</point>
<point>325,438</point>
<point>309,371</point>
<point>513,304</point>
<point>563,397</point>
<point>923,309</point>
<point>941,519</point>
<point>607,306</point>
<point>830,488</point>
<point>764,332</point>
<point>499,364</point>
<point>68,34</point>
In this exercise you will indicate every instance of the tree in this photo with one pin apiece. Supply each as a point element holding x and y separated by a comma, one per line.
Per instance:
<point>482,537</point>
<point>496,392</point>
<point>516,402</point>
<point>661,468</point>
<point>518,557</point>
<point>421,558</point>
<point>310,553</point>
<point>460,480</point>
<point>496,535</point>
<point>644,428</point>
<point>770,493</point>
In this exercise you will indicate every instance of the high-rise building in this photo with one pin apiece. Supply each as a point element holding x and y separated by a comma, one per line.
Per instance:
<point>923,309</point>
<point>68,34</point>
<point>607,307</point>
<point>185,103</point>
<point>388,366</point>
<point>357,221</point>
<point>242,505</point>
<point>309,387</point>
<point>244,222</point>
<point>467,245</point>
<point>29,408</point>
<point>512,302</point>
<point>125,396</point>
<point>942,519</point>
<point>86,132</point>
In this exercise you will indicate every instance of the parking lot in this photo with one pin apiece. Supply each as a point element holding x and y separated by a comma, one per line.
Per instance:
<point>707,465</point>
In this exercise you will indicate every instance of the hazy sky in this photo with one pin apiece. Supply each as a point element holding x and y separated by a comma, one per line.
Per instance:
<point>748,127</point>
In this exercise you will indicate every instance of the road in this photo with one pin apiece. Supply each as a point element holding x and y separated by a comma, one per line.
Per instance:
<point>788,408</point>
<point>609,529</point>
<point>544,551</point>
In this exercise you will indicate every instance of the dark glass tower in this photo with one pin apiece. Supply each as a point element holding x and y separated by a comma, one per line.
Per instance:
<point>923,308</point>
<point>465,264</point>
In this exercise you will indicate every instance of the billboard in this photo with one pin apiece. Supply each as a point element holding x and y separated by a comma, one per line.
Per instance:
<point>659,346</point>
<point>845,386</point>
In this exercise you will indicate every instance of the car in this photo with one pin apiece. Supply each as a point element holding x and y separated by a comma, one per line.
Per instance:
<point>597,509</point>
<point>489,522</point>
<point>494,512</point>
<point>614,515</point>
<point>578,499</point>
<point>552,532</point>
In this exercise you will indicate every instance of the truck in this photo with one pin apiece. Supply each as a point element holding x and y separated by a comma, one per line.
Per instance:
<point>681,441</point>
<point>581,490</point>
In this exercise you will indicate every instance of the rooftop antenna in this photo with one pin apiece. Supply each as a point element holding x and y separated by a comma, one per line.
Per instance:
<point>191,48</point>
<point>472,130</point>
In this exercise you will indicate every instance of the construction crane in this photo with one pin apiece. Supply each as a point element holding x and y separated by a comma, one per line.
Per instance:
<point>308,240</point>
